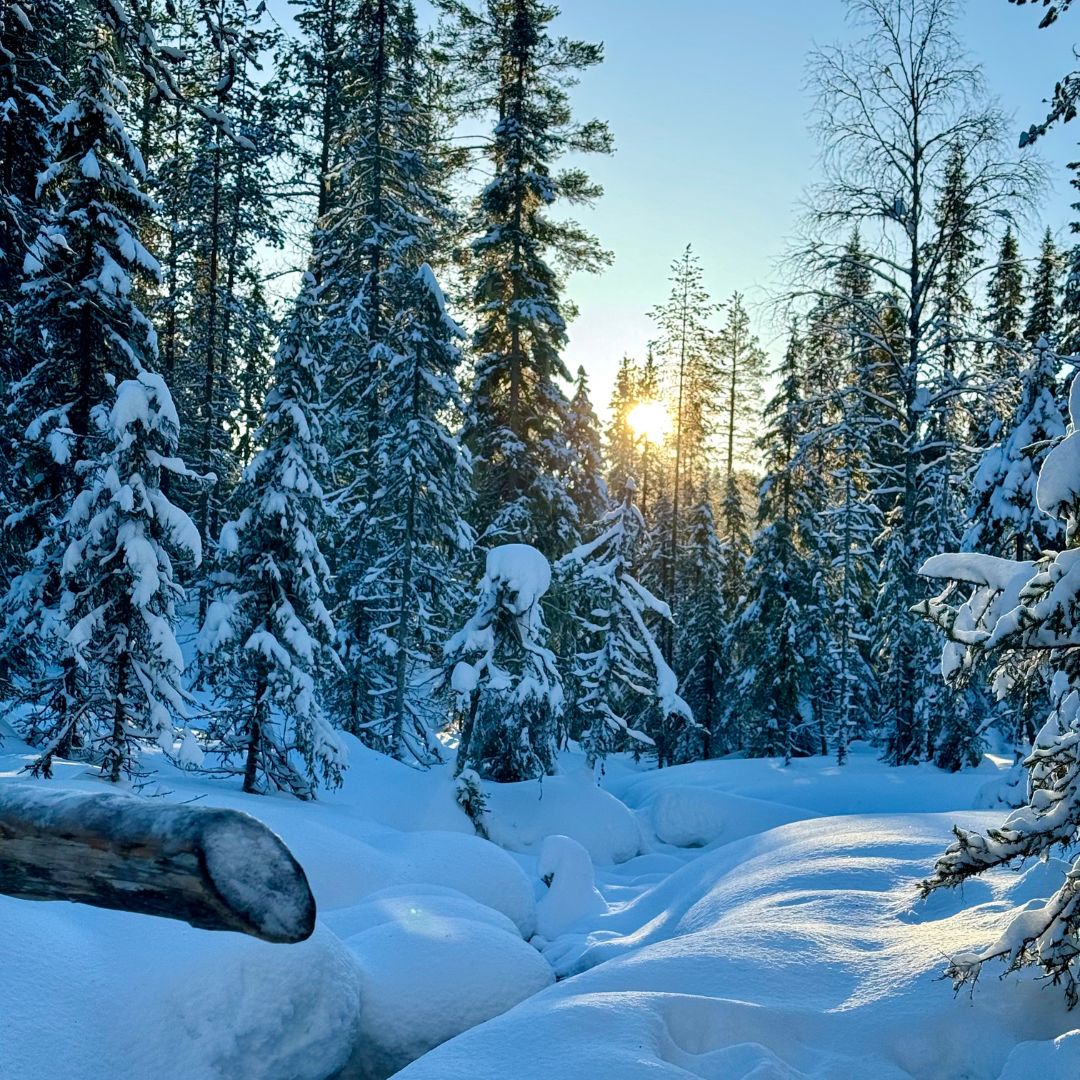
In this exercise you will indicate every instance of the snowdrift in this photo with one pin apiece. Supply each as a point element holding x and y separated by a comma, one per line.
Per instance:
<point>796,953</point>
<point>718,920</point>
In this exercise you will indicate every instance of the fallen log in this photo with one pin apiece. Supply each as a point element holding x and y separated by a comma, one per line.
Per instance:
<point>213,868</point>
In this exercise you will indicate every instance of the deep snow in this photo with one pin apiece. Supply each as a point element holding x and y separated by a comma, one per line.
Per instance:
<point>717,920</point>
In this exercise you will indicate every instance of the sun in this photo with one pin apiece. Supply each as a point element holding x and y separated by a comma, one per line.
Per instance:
<point>649,420</point>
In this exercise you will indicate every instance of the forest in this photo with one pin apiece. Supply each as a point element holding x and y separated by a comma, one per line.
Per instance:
<point>294,472</point>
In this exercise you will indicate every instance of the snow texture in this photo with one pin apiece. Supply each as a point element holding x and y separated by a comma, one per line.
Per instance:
<point>791,946</point>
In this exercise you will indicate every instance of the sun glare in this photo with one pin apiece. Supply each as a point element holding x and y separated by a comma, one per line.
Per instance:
<point>649,420</point>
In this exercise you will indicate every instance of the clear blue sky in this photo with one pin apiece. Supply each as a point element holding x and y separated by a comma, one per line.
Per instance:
<point>708,105</point>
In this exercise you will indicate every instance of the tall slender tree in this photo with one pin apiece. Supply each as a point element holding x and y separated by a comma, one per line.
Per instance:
<point>512,66</point>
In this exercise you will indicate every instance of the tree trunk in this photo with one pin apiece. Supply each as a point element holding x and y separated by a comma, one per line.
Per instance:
<point>213,868</point>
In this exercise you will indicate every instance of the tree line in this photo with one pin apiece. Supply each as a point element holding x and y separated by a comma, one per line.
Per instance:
<point>233,536</point>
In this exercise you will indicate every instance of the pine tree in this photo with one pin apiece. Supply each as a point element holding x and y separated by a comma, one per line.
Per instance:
<point>268,633</point>
<point>514,68</point>
<point>742,367</point>
<point>506,674</point>
<point>95,602</point>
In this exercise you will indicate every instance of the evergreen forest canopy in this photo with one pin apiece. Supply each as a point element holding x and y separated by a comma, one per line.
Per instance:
<point>232,533</point>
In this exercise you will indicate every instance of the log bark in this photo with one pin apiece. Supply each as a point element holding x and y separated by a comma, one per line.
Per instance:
<point>216,869</point>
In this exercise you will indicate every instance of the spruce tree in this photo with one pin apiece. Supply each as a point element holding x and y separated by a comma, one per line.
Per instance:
<point>512,66</point>
<point>585,473</point>
<point>385,328</point>
<point>505,673</point>
<point>629,693</point>
<point>268,633</point>
<point>779,624</point>
<point>1024,615</point>
<point>95,603</point>
<point>1043,317</point>
<point>413,588</point>
<point>1004,307</point>
<point>704,645</point>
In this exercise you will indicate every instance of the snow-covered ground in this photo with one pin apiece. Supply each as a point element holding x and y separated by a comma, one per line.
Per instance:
<point>717,920</point>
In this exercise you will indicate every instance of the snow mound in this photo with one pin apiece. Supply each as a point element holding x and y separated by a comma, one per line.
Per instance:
<point>1006,791</point>
<point>689,816</point>
<point>521,816</point>
<point>195,1005</point>
<point>429,977</point>
<point>777,956</point>
<point>1058,1058</point>
<point>414,905</point>
<point>343,869</point>
<point>567,871</point>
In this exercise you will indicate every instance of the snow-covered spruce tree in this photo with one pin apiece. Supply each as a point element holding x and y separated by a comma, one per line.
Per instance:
<point>92,605</point>
<point>628,691</point>
<point>27,77</point>
<point>1004,516</point>
<point>413,588</point>
<point>1025,614</point>
<point>267,635</point>
<point>118,590</point>
<point>504,672</point>
<point>779,625</point>
<point>841,384</point>
<point>511,66</point>
<point>872,101</point>
<point>568,608</point>
<point>384,327</point>
<point>704,647</point>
